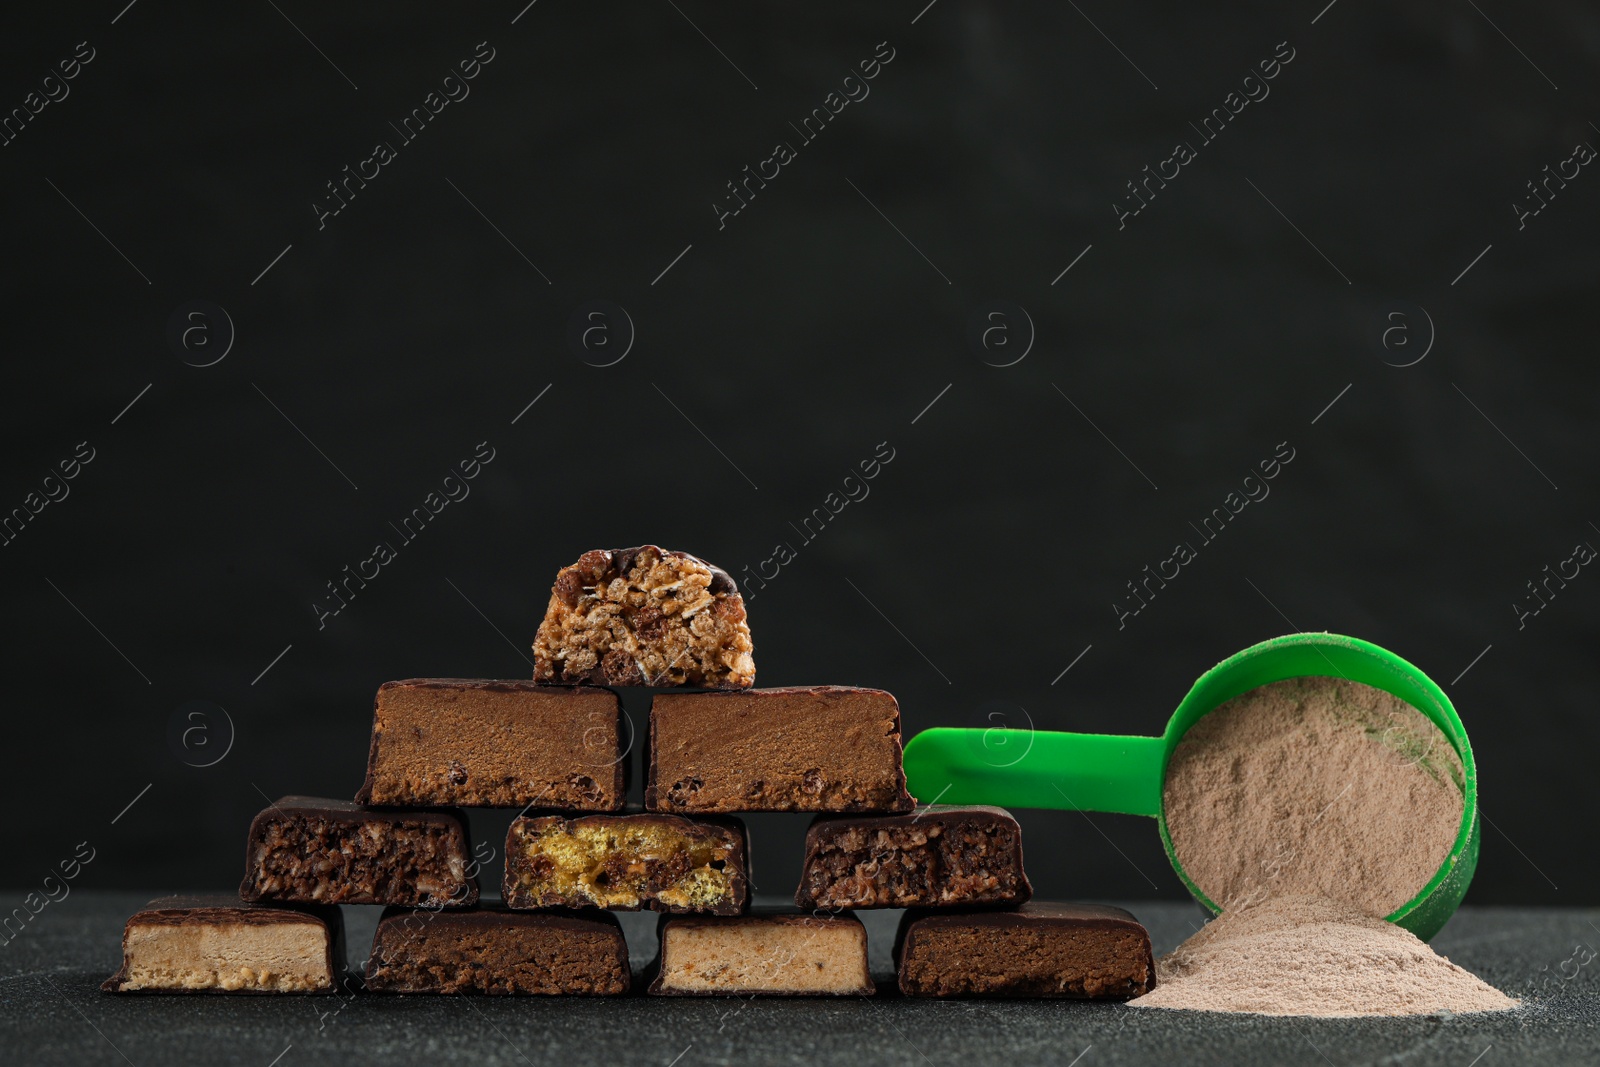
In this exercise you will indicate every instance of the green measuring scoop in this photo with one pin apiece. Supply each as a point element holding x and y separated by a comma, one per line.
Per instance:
<point>1100,772</point>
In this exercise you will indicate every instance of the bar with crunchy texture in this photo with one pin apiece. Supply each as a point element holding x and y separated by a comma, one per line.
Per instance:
<point>773,955</point>
<point>495,951</point>
<point>217,944</point>
<point>495,744</point>
<point>644,616</point>
<point>819,748</point>
<point>1083,951</point>
<point>942,856</point>
<point>312,850</point>
<point>627,862</point>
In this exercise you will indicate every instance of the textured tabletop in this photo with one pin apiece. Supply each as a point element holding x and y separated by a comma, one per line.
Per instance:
<point>51,1012</point>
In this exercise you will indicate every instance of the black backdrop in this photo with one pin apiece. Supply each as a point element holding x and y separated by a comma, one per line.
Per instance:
<point>841,313</point>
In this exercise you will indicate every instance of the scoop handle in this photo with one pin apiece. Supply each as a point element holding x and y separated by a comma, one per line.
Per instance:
<point>1036,769</point>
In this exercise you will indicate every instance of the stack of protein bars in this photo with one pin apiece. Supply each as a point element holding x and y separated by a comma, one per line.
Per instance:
<point>558,746</point>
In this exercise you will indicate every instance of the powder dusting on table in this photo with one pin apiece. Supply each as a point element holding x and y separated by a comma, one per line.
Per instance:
<point>1305,956</point>
<point>1307,810</point>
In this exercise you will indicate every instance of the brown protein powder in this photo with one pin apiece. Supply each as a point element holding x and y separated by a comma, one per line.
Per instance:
<point>1304,956</point>
<point>1307,810</point>
<point>1313,787</point>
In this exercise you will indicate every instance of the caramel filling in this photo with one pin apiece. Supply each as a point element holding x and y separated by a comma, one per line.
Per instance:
<point>621,867</point>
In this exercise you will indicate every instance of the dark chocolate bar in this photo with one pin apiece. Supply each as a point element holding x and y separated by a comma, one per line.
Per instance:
<point>1083,951</point>
<point>495,951</point>
<point>822,748</point>
<point>769,954</point>
<point>627,862</point>
<point>644,616</point>
<point>940,856</point>
<point>218,944</point>
<point>495,744</point>
<point>311,850</point>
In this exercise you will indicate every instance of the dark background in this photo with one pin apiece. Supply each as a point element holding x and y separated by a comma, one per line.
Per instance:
<point>989,552</point>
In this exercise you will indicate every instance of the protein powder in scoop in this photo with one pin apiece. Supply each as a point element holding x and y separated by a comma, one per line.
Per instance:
<point>1307,810</point>
<point>1315,787</point>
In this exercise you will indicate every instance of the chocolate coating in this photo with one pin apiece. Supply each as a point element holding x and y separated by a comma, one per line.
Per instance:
<point>495,951</point>
<point>490,743</point>
<point>1080,951</point>
<point>814,748</point>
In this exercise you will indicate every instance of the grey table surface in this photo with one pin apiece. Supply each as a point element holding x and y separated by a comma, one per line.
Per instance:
<point>52,1012</point>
